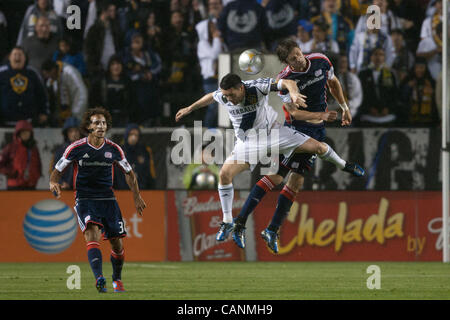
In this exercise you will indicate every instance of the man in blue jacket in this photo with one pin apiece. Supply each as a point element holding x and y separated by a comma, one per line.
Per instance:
<point>22,92</point>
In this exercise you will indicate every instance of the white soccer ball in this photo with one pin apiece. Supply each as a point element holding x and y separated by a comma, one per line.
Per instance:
<point>205,180</point>
<point>251,61</point>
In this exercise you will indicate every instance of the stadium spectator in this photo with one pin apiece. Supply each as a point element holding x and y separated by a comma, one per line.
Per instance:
<point>208,49</point>
<point>181,73</point>
<point>116,95</point>
<point>60,7</point>
<point>320,41</point>
<point>102,41</point>
<point>364,43</point>
<point>304,29</point>
<point>281,19</point>
<point>190,9</point>
<point>3,37</point>
<point>351,87</point>
<point>66,53</point>
<point>411,16</point>
<point>404,59</point>
<point>418,97</point>
<point>355,8</point>
<point>431,22</point>
<point>71,133</point>
<point>140,157</point>
<point>152,33</point>
<point>22,92</point>
<point>308,8</point>
<point>41,45</point>
<point>34,11</point>
<point>20,160</point>
<point>243,25</point>
<point>340,27</point>
<point>431,49</point>
<point>137,13</point>
<point>389,21</point>
<point>68,93</point>
<point>380,92</point>
<point>143,67</point>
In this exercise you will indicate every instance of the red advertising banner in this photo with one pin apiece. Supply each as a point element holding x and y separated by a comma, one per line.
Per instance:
<point>198,214</point>
<point>355,226</point>
<point>31,230</point>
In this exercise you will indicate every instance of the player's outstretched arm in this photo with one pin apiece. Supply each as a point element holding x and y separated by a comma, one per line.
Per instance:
<point>204,101</point>
<point>338,94</point>
<point>296,97</point>
<point>132,182</point>
<point>303,115</point>
<point>55,187</point>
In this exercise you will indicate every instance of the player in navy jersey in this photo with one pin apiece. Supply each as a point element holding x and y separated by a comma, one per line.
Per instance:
<point>94,158</point>
<point>313,73</point>
<point>247,106</point>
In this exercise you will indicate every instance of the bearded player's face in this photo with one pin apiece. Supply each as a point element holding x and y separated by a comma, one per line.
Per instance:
<point>98,126</point>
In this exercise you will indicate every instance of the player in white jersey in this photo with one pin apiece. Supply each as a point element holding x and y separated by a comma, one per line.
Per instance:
<point>247,105</point>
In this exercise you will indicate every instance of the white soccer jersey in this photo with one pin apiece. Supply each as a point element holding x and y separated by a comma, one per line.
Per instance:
<point>252,113</point>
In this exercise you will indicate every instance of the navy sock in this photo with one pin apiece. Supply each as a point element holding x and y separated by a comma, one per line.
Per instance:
<point>95,258</point>
<point>285,200</point>
<point>117,260</point>
<point>256,194</point>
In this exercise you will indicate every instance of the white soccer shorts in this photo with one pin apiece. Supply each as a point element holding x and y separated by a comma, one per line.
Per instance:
<point>262,146</point>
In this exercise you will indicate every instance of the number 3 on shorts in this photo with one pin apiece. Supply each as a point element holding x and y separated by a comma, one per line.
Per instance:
<point>121,227</point>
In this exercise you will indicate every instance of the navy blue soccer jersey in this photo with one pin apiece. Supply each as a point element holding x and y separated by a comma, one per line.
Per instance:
<point>93,167</point>
<point>312,83</point>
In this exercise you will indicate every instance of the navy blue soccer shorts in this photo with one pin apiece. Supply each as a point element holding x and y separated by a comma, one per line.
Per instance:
<point>302,162</point>
<point>104,213</point>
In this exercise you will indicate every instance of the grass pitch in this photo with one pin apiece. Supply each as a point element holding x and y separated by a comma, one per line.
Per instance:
<point>231,281</point>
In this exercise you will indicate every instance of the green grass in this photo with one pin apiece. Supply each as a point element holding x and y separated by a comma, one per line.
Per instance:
<point>232,280</point>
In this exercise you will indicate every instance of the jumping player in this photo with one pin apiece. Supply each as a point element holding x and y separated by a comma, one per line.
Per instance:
<point>93,158</point>
<point>247,105</point>
<point>312,73</point>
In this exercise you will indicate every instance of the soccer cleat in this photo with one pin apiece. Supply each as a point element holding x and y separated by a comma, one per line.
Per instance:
<point>354,169</point>
<point>271,238</point>
<point>100,284</point>
<point>224,231</point>
<point>118,286</point>
<point>239,235</point>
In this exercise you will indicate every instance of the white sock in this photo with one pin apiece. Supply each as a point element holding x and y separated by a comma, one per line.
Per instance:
<point>226,194</point>
<point>332,156</point>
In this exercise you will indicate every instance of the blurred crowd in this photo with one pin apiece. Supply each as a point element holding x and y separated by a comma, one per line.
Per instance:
<point>144,59</point>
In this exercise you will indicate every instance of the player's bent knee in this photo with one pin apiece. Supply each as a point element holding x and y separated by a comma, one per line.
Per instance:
<point>225,177</point>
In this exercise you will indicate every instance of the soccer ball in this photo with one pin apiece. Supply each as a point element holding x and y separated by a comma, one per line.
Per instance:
<point>205,180</point>
<point>251,61</point>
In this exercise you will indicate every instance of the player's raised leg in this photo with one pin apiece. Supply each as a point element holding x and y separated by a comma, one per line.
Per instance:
<point>325,152</point>
<point>117,260</point>
<point>92,235</point>
<point>226,193</point>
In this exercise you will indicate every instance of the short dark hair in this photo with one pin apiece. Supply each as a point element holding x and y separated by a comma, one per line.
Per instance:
<point>48,65</point>
<point>86,120</point>
<point>229,81</point>
<point>284,48</point>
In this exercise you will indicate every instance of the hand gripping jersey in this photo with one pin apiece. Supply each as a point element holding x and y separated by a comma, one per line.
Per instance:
<point>254,112</point>
<point>93,168</point>
<point>312,83</point>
